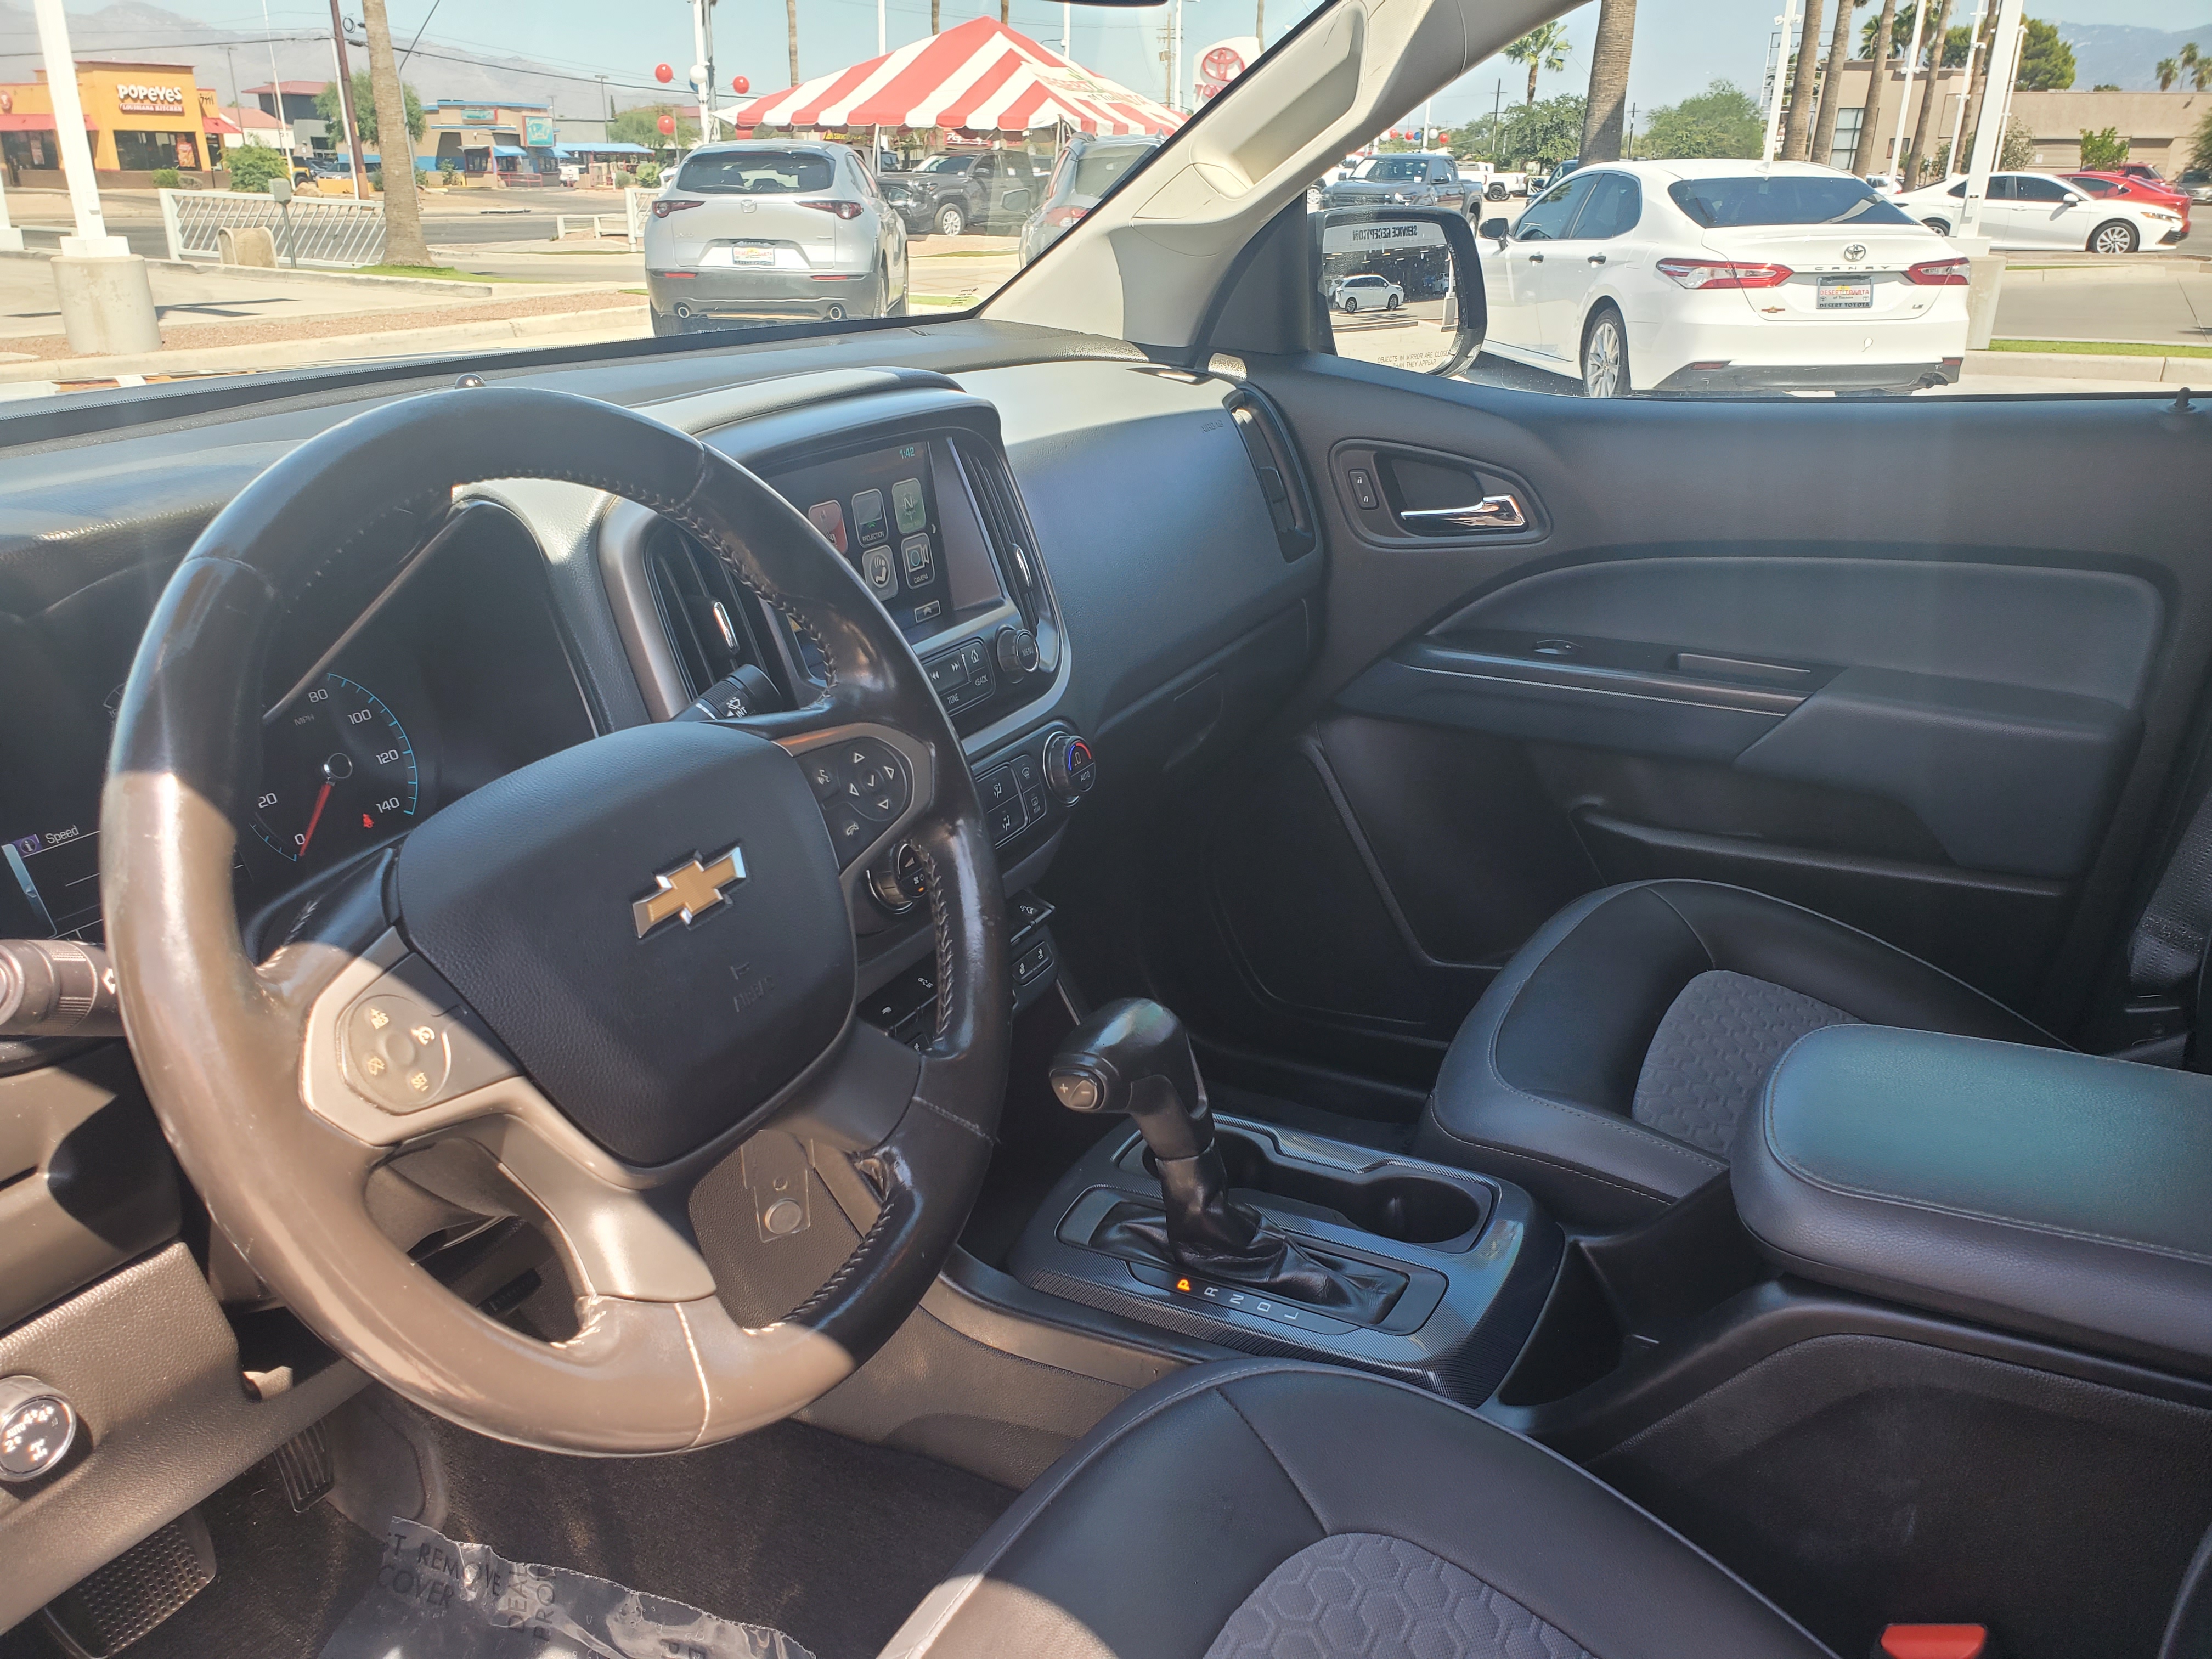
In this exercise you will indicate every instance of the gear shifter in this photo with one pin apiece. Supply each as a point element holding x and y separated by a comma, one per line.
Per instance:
<point>1134,1057</point>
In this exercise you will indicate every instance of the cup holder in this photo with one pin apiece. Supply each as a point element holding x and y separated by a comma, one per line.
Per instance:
<point>1395,1204</point>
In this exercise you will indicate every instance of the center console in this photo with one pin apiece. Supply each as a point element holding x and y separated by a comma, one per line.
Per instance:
<point>1260,1239</point>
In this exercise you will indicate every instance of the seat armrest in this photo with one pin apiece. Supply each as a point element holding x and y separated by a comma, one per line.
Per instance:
<point>2051,1193</point>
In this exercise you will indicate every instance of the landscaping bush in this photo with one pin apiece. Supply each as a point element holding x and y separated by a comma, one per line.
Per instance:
<point>648,174</point>
<point>165,177</point>
<point>253,165</point>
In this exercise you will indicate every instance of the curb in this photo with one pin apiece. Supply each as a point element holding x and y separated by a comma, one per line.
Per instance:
<point>605,323</point>
<point>285,273</point>
<point>2078,366</point>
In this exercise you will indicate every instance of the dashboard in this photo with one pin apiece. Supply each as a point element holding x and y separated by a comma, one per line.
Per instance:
<point>1107,568</point>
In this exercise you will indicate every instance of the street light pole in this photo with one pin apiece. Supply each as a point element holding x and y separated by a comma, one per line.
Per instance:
<point>1989,134</point>
<point>107,302</point>
<point>1965,86</point>
<point>1785,23</point>
<point>1904,108</point>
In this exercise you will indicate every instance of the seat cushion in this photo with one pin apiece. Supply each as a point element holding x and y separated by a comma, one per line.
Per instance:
<point>1273,1509</point>
<point>1609,1064</point>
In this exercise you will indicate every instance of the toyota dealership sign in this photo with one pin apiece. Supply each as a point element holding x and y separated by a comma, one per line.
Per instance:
<point>1223,61</point>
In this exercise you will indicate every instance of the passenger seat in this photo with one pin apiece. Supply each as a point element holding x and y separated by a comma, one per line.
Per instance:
<point>1607,1066</point>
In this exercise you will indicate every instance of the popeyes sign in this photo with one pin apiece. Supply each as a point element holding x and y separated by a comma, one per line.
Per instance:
<point>141,98</point>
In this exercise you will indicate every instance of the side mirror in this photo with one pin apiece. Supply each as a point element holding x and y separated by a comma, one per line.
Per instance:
<point>1497,230</point>
<point>1417,303</point>
<point>2072,198</point>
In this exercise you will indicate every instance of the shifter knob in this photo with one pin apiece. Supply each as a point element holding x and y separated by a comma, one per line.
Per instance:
<point>1134,1057</point>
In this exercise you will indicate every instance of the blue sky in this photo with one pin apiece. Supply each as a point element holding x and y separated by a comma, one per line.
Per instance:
<point>1681,45</point>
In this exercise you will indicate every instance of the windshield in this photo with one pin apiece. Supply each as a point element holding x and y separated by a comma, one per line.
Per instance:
<point>1787,199</point>
<point>756,173</point>
<point>1388,168</point>
<point>578,181</point>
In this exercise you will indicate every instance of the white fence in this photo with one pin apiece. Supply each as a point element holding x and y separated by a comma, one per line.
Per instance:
<point>328,231</point>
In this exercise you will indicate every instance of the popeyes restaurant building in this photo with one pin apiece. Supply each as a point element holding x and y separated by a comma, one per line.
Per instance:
<point>137,118</point>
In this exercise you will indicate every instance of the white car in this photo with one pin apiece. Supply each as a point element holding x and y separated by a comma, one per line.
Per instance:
<point>1365,292</point>
<point>764,231</point>
<point>1723,275</point>
<point>2035,210</point>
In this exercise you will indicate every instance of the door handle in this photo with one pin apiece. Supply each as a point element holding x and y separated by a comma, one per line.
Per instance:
<point>1491,512</point>
<point>1596,259</point>
<point>1535,258</point>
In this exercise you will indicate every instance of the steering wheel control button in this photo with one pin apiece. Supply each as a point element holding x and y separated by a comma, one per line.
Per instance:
<point>38,1426</point>
<point>404,1045</point>
<point>862,784</point>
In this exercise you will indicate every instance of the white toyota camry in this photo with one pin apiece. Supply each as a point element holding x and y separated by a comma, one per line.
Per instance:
<point>2035,210</point>
<point>1724,275</point>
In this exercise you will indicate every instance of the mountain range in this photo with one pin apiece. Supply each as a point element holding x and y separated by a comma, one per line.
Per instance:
<point>2121,55</point>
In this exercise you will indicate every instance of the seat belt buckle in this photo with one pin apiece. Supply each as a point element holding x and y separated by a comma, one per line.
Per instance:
<point>1933,1642</point>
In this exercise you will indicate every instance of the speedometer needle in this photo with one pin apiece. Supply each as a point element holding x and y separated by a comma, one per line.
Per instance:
<point>315,817</point>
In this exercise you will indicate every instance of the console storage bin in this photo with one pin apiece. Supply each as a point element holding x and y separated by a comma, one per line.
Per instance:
<point>2056,1194</point>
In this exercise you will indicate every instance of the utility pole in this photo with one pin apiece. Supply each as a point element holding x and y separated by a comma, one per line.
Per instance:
<point>1904,105</point>
<point>1782,24</point>
<point>702,69</point>
<point>606,98</point>
<point>1631,132</point>
<point>1067,31</point>
<point>276,83</point>
<point>1175,55</point>
<point>1496,117</point>
<point>345,104</point>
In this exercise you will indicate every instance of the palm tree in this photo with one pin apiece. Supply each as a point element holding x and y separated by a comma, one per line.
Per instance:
<point>2168,73</point>
<point>403,213</point>
<point>1608,80</point>
<point>790,21</point>
<point>1795,133</point>
<point>1544,47</point>
<point>1832,85</point>
<point>1928,98</point>
<point>1868,156</point>
<point>2197,65</point>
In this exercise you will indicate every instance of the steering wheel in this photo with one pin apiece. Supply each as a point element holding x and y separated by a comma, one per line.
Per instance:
<point>586,986</point>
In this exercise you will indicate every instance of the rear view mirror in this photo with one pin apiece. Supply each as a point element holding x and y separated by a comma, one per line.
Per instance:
<point>1400,286</point>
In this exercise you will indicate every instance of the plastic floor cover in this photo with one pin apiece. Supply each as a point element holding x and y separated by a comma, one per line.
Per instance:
<point>435,1599</point>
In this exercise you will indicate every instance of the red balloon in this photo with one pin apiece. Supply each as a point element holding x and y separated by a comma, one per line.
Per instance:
<point>668,126</point>
<point>663,74</point>
<point>740,84</point>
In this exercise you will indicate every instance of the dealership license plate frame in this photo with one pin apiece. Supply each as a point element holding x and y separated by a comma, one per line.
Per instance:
<point>751,255</point>
<point>1845,294</point>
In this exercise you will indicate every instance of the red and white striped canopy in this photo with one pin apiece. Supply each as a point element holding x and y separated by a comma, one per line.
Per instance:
<point>981,76</point>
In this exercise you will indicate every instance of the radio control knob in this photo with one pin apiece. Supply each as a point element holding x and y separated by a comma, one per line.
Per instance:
<point>1016,649</point>
<point>1069,766</point>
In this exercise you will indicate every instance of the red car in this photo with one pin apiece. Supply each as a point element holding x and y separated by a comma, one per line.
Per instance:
<point>2137,182</point>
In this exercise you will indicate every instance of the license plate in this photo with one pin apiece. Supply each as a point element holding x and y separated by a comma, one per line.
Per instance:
<point>759,256</point>
<point>1846,293</point>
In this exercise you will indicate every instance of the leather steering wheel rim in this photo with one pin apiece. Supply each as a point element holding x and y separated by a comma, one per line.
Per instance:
<point>222,1042</point>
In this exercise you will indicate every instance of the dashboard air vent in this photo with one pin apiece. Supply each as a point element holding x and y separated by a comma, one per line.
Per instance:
<point>1274,463</point>
<point>1007,528</point>
<point>709,630</point>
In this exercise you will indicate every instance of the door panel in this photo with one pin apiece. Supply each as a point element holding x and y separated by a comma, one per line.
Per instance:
<point>1797,645</point>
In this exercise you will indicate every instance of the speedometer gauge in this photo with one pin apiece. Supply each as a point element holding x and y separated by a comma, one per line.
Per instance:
<point>336,771</point>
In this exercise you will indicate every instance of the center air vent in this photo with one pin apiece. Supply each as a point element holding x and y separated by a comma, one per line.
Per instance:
<point>709,630</point>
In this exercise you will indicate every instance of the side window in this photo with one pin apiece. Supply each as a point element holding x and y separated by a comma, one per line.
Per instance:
<point>2034,189</point>
<point>1614,204</point>
<point>2001,188</point>
<point>1958,189</point>
<point>1549,215</point>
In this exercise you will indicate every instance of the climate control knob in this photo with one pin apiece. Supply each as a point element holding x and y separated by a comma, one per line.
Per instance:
<point>1069,767</point>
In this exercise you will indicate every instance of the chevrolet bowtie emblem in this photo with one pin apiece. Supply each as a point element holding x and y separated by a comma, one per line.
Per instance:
<point>688,891</point>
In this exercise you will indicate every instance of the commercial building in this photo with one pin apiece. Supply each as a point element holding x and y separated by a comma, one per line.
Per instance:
<point>138,118</point>
<point>2158,125</point>
<point>503,143</point>
<point>292,103</point>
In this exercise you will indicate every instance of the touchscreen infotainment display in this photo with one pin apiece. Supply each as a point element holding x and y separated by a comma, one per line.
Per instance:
<point>901,517</point>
